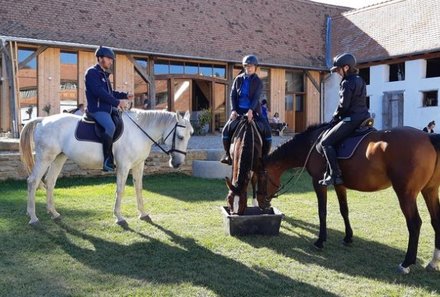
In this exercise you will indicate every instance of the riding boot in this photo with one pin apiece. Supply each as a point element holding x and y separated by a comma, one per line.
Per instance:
<point>107,142</point>
<point>266,148</point>
<point>226,159</point>
<point>333,176</point>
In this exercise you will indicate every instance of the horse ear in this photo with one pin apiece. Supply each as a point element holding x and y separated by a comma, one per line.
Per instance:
<point>187,115</point>
<point>179,117</point>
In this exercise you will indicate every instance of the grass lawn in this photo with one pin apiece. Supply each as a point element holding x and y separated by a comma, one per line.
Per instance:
<point>184,251</point>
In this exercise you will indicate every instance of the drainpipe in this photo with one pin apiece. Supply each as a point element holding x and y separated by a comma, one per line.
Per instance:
<point>328,62</point>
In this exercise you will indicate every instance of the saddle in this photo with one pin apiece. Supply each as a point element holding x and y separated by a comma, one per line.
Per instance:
<point>346,148</point>
<point>88,129</point>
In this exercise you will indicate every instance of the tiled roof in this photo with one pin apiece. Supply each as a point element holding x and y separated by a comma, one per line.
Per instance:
<point>389,29</point>
<point>280,32</point>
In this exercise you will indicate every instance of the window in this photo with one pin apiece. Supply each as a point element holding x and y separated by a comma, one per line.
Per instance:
<point>205,70</point>
<point>430,98</point>
<point>161,67</point>
<point>176,67</point>
<point>141,86</point>
<point>161,101</point>
<point>365,74</point>
<point>433,67</point>
<point>397,72</point>
<point>265,93</point>
<point>27,78</point>
<point>182,99</point>
<point>220,71</point>
<point>191,68</point>
<point>68,92</point>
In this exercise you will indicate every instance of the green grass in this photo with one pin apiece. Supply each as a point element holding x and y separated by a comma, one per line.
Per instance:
<point>185,252</point>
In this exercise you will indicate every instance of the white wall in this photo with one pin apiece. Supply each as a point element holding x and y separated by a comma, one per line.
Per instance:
<point>414,114</point>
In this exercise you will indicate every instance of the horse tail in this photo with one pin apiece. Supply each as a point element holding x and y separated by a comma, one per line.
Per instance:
<point>27,143</point>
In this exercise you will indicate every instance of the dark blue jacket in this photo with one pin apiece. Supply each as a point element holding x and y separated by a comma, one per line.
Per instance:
<point>99,93</point>
<point>352,99</point>
<point>255,88</point>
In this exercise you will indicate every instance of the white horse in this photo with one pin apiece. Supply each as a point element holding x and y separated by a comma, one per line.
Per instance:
<point>54,143</point>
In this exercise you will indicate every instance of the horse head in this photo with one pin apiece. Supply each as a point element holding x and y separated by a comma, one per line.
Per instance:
<point>177,136</point>
<point>292,154</point>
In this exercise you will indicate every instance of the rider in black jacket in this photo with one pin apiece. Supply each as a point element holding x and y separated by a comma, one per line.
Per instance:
<point>352,110</point>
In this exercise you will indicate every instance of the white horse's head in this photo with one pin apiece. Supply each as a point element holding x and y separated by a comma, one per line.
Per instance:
<point>177,136</point>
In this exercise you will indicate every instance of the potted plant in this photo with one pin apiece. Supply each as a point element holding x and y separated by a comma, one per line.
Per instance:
<point>204,120</point>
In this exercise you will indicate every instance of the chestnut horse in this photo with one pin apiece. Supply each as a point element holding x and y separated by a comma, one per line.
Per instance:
<point>245,151</point>
<point>404,158</point>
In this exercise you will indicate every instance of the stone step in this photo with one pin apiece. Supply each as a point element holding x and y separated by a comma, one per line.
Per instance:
<point>9,144</point>
<point>210,169</point>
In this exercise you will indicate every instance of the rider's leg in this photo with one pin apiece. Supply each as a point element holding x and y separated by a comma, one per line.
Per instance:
<point>105,120</point>
<point>226,159</point>
<point>267,139</point>
<point>334,174</point>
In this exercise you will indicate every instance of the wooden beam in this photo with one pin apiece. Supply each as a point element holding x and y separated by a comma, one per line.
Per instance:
<point>148,78</point>
<point>314,82</point>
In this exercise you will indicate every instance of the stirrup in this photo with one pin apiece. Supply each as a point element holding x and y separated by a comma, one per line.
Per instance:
<point>329,180</point>
<point>226,159</point>
<point>108,166</point>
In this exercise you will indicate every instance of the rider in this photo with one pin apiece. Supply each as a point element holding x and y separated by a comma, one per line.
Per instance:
<point>352,110</point>
<point>245,99</point>
<point>102,100</point>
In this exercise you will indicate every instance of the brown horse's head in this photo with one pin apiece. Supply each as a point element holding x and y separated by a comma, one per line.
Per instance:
<point>236,198</point>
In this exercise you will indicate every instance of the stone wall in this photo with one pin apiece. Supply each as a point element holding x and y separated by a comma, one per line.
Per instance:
<point>12,168</point>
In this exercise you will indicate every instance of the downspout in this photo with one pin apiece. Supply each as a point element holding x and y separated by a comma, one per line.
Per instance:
<point>328,63</point>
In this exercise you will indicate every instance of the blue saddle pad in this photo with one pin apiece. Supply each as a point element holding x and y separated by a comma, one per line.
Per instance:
<point>346,148</point>
<point>89,131</point>
<point>85,131</point>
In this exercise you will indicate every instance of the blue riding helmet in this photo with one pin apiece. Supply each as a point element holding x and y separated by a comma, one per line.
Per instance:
<point>250,60</point>
<point>103,51</point>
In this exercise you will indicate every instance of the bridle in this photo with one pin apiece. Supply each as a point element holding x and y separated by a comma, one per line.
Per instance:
<point>173,145</point>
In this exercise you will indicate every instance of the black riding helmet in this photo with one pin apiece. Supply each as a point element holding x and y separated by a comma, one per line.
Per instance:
<point>250,60</point>
<point>103,51</point>
<point>343,59</point>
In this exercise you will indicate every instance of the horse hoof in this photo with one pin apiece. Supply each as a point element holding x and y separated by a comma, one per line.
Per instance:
<point>318,245</point>
<point>34,223</point>
<point>57,218</point>
<point>432,268</point>
<point>146,218</point>
<point>347,242</point>
<point>122,223</point>
<point>403,270</point>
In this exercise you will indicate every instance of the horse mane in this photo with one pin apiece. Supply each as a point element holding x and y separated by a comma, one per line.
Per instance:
<point>286,150</point>
<point>246,154</point>
<point>146,117</point>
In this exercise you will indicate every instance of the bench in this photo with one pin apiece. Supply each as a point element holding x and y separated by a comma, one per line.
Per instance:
<point>278,128</point>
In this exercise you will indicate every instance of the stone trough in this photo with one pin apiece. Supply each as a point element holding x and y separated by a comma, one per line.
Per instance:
<point>253,221</point>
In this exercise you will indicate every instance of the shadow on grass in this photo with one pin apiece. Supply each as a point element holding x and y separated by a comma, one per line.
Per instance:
<point>364,258</point>
<point>155,261</point>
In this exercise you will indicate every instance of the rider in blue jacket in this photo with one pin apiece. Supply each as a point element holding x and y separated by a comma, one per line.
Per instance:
<point>245,99</point>
<point>102,100</point>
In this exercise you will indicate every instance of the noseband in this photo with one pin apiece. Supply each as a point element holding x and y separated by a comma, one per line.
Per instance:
<point>173,145</point>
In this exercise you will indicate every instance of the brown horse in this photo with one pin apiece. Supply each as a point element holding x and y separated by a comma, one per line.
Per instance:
<point>404,158</point>
<point>245,152</point>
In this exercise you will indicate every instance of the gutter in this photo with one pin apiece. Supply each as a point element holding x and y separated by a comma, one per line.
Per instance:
<point>140,52</point>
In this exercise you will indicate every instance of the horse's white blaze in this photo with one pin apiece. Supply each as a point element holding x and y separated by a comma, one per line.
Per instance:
<point>236,204</point>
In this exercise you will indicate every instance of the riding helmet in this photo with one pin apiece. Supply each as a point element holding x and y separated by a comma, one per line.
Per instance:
<point>343,59</point>
<point>103,51</point>
<point>250,60</point>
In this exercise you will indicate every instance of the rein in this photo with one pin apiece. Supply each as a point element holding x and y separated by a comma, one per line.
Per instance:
<point>281,187</point>
<point>173,146</point>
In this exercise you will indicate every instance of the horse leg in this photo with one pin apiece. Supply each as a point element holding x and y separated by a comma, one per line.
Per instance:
<point>341,192</point>
<point>321,194</point>
<point>121,179</point>
<point>137,173</point>
<point>254,190</point>
<point>33,182</point>
<point>51,178</point>
<point>432,202</point>
<point>408,205</point>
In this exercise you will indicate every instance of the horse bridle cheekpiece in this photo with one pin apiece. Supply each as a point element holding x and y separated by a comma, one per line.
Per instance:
<point>173,145</point>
